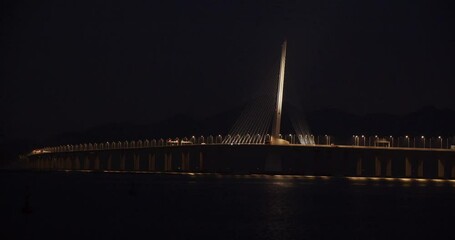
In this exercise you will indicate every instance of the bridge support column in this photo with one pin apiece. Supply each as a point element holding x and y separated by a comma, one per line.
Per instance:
<point>201,161</point>
<point>388,172</point>
<point>377,168</point>
<point>152,162</point>
<point>77,165</point>
<point>122,162</point>
<point>441,169</point>
<point>61,163</point>
<point>168,162</point>
<point>86,163</point>
<point>420,168</point>
<point>97,162</point>
<point>69,163</point>
<point>408,167</point>
<point>109,162</point>
<point>136,159</point>
<point>185,161</point>
<point>359,167</point>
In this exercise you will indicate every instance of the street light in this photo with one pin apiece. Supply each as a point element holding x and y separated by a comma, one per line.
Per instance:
<point>392,140</point>
<point>423,141</point>
<point>407,138</point>
<point>440,139</point>
<point>363,140</point>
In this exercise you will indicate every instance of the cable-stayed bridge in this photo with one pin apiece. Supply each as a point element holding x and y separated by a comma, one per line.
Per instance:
<point>255,145</point>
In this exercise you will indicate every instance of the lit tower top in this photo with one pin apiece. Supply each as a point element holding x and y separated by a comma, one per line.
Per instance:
<point>279,100</point>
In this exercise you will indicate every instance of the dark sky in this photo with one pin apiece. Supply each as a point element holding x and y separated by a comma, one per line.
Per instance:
<point>69,65</point>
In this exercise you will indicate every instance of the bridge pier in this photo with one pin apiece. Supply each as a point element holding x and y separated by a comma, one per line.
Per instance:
<point>167,162</point>
<point>69,163</point>
<point>420,168</point>
<point>441,168</point>
<point>97,162</point>
<point>201,161</point>
<point>86,163</point>
<point>48,163</point>
<point>408,167</point>
<point>185,161</point>
<point>359,167</point>
<point>59,162</point>
<point>388,172</point>
<point>152,164</point>
<point>377,166</point>
<point>122,161</point>
<point>136,162</point>
<point>78,163</point>
<point>109,162</point>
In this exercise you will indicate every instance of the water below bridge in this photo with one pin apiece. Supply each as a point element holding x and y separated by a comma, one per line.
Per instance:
<point>87,205</point>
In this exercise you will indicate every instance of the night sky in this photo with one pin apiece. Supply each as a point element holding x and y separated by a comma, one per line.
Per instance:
<point>70,65</point>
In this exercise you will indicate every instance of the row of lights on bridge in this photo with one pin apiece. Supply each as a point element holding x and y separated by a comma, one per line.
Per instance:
<point>407,141</point>
<point>169,142</point>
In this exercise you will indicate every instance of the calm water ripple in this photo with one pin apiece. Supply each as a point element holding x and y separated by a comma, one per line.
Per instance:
<point>75,205</point>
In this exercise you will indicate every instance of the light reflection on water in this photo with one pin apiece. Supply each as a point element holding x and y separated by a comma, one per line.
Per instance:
<point>222,206</point>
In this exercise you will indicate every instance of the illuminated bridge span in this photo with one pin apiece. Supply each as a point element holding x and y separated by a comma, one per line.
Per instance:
<point>209,154</point>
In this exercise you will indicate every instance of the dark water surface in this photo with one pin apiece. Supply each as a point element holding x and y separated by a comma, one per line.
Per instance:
<point>76,205</point>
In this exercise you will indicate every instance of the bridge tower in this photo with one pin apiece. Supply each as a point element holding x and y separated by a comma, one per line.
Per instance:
<point>275,138</point>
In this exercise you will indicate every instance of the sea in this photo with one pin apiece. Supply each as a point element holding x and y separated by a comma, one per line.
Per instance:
<point>113,205</point>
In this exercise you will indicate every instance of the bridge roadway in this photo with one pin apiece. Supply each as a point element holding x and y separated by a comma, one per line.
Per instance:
<point>315,160</point>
